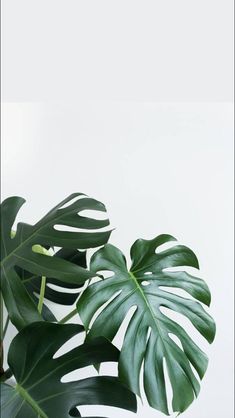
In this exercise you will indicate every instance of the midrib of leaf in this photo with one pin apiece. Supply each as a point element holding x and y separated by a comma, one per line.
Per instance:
<point>148,305</point>
<point>26,396</point>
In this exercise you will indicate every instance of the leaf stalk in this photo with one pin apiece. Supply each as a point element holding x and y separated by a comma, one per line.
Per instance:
<point>42,294</point>
<point>68,317</point>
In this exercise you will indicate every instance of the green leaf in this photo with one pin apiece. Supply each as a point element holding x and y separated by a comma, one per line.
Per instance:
<point>148,336</point>
<point>19,251</point>
<point>60,296</point>
<point>39,391</point>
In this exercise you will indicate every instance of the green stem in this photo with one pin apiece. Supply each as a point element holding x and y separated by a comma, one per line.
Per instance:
<point>69,316</point>
<point>1,317</point>
<point>42,293</point>
<point>5,327</point>
<point>34,405</point>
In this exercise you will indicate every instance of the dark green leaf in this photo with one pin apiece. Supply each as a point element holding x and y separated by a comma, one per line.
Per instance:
<point>39,391</point>
<point>59,296</point>
<point>148,336</point>
<point>18,252</point>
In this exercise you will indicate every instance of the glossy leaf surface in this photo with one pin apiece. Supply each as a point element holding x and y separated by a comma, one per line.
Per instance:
<point>18,252</point>
<point>150,335</point>
<point>38,372</point>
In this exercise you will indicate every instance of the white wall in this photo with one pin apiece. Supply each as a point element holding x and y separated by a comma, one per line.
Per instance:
<point>160,168</point>
<point>117,50</point>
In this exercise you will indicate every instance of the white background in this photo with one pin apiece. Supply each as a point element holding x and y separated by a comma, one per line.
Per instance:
<point>131,103</point>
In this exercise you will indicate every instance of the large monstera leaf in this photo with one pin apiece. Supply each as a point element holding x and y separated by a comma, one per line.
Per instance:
<point>148,338</point>
<point>39,392</point>
<point>18,252</point>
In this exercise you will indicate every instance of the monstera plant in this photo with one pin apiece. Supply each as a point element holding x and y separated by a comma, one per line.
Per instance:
<point>46,264</point>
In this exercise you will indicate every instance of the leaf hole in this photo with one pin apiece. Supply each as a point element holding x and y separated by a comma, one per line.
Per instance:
<point>79,373</point>
<point>65,228</point>
<point>73,200</point>
<point>169,390</point>
<point>73,342</point>
<point>165,246</point>
<point>148,334</point>
<point>176,291</point>
<point>145,283</point>
<point>108,368</point>
<point>176,340</point>
<point>61,289</point>
<point>119,337</point>
<point>186,324</point>
<point>103,307</point>
<point>99,215</point>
